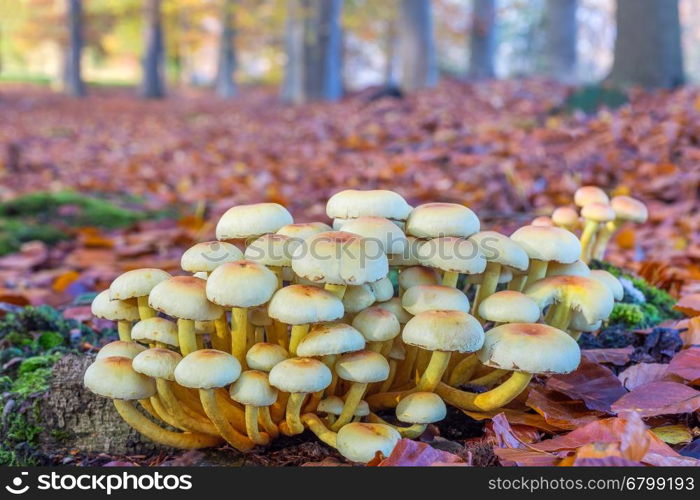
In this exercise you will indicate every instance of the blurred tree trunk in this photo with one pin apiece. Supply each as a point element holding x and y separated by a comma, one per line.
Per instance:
<point>648,45</point>
<point>483,40</point>
<point>416,45</point>
<point>313,42</point>
<point>153,85</point>
<point>560,40</point>
<point>225,84</point>
<point>72,76</point>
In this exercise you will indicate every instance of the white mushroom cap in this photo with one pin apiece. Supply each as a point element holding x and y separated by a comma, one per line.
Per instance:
<point>136,283</point>
<point>598,212</point>
<point>207,369</point>
<point>113,377</point>
<point>444,331</point>
<point>421,298</point>
<point>360,442</point>
<point>579,323</point>
<point>499,248</point>
<point>627,208</point>
<point>362,366</point>
<point>245,221</point>
<point>330,338</point>
<point>590,194</point>
<point>531,348</point>
<point>398,351</point>
<point>157,363</point>
<point>377,324</point>
<point>409,256</point>
<point>333,405</point>
<point>253,388</point>
<point>300,375</point>
<point>156,330</point>
<point>565,217</point>
<point>542,220</point>
<point>421,408</point>
<point>453,254</point>
<point>184,297</point>
<point>303,230</point>
<point>577,268</point>
<point>264,356</point>
<point>304,304</point>
<point>548,243</point>
<point>394,306</point>
<point>435,220</point>
<point>509,306</point>
<point>390,237</point>
<point>208,255</point>
<point>610,281</point>
<point>418,275</point>
<point>272,250</point>
<point>115,310</point>
<point>358,297</point>
<point>351,203</point>
<point>241,284</point>
<point>587,295</point>
<point>383,289</point>
<point>121,349</point>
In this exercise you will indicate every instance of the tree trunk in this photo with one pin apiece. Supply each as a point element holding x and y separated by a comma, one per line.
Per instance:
<point>73,80</point>
<point>648,45</point>
<point>418,62</point>
<point>313,41</point>
<point>153,85</point>
<point>483,40</point>
<point>225,84</point>
<point>560,40</point>
<point>390,43</point>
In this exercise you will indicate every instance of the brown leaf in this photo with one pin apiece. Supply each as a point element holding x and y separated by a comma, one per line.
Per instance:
<point>409,453</point>
<point>659,398</point>
<point>686,364</point>
<point>642,373</point>
<point>592,383</point>
<point>619,356</point>
<point>689,305</point>
<point>558,410</point>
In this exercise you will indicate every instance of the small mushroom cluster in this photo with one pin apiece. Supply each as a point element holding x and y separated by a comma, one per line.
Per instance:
<point>280,327</point>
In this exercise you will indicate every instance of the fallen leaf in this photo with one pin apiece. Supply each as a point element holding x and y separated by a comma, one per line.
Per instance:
<point>592,383</point>
<point>673,434</point>
<point>409,453</point>
<point>659,398</point>
<point>689,305</point>
<point>641,374</point>
<point>560,411</point>
<point>686,364</point>
<point>617,356</point>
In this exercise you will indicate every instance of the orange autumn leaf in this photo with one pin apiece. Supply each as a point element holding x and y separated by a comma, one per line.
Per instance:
<point>64,280</point>
<point>689,305</point>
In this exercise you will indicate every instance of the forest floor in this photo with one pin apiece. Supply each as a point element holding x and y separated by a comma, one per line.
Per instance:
<point>91,188</point>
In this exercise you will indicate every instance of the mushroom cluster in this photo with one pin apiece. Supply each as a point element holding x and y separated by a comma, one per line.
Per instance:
<point>280,327</point>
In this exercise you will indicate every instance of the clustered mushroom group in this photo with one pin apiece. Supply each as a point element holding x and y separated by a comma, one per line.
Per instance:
<point>283,326</point>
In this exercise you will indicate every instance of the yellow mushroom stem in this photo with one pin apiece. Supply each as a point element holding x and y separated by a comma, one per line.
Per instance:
<point>386,385</point>
<point>561,315</point>
<point>259,334</point>
<point>298,334</point>
<point>405,369</point>
<point>145,311</point>
<point>266,421</point>
<point>124,330</point>
<point>352,399</point>
<point>422,362</point>
<point>329,361</point>
<point>449,278</point>
<point>411,432</point>
<point>292,414</point>
<point>232,411</point>
<point>280,334</point>
<point>486,401</point>
<point>177,410</point>
<point>588,239</point>
<point>431,377</point>
<point>251,426</point>
<point>387,345</point>
<point>463,371</point>
<point>517,283</point>
<point>603,237</point>
<point>228,432</point>
<point>279,408</point>
<point>239,333</point>
<point>186,336</point>
<point>536,271</point>
<point>386,400</point>
<point>337,290</point>
<point>185,440</point>
<point>222,337</point>
<point>489,283</point>
<point>316,425</point>
<point>188,398</point>
<point>375,346</point>
<point>488,379</point>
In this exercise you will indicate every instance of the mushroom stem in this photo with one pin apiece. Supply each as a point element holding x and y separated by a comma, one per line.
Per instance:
<point>463,371</point>
<point>294,404</point>
<point>489,282</point>
<point>449,278</point>
<point>124,330</point>
<point>145,311</point>
<point>338,290</point>
<point>316,426</point>
<point>298,334</point>
<point>433,373</point>
<point>517,283</point>
<point>411,432</point>
<point>422,361</point>
<point>251,426</point>
<point>536,271</point>
<point>163,414</point>
<point>222,337</point>
<point>176,408</point>
<point>488,379</point>
<point>486,401</point>
<point>232,436</point>
<point>386,385</point>
<point>587,239</point>
<point>403,373</point>
<point>239,333</point>
<point>329,361</point>
<point>603,238</point>
<point>186,336</point>
<point>259,334</point>
<point>186,440</point>
<point>352,399</point>
<point>561,316</point>
<point>267,422</point>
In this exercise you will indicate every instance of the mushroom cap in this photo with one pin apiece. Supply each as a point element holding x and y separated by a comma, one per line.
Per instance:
<point>453,254</point>
<point>301,375</point>
<point>333,405</point>
<point>243,283</point>
<point>377,324</point>
<point>421,408</point>
<point>383,289</point>
<point>394,306</point>
<point>444,331</point>
<point>627,208</point>
<point>589,296</point>
<point>245,221</point>
<point>509,306</point>
<point>418,275</point>
<point>358,297</point>
<point>531,348</point>
<point>184,297</point>
<point>207,369</point>
<point>303,230</point>
<point>386,233</point>
<point>436,220</point>
<point>565,217</point>
<point>505,277</point>
<point>497,247</point>
<point>264,356</point>
<point>272,249</point>
<point>360,442</point>
<point>340,258</point>
<point>578,268</point>
<point>157,363</point>
<point>579,323</point>
<point>115,310</point>
<point>362,366</point>
<point>398,351</point>
<point>136,283</point>
<point>409,256</point>
<point>590,194</point>
<point>610,281</point>
<point>304,304</point>
<point>208,255</point>
<point>421,298</point>
<point>113,377</point>
<point>548,243</point>
<point>542,220</point>
<point>598,212</point>
<point>156,330</point>
<point>121,349</point>
<point>327,339</point>
<point>352,203</point>
<point>253,388</point>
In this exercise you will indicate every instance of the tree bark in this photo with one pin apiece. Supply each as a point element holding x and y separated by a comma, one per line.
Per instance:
<point>483,40</point>
<point>72,78</point>
<point>225,83</point>
<point>418,61</point>
<point>313,42</point>
<point>153,86</point>
<point>648,49</point>
<point>560,40</point>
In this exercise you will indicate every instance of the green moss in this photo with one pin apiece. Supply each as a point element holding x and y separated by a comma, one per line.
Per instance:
<point>631,315</point>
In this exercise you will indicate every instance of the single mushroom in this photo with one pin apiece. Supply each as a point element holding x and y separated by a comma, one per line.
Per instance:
<point>417,409</point>
<point>360,442</point>
<point>383,289</point>
<point>253,390</point>
<point>244,222</point>
<point>626,209</point>
<point>453,256</point>
<point>379,327</point>
<point>590,194</point>
<point>566,218</point>
<point>352,203</point>
<point>417,275</point>
<point>206,256</point>
<point>157,332</point>
<point>120,311</point>
<point>438,220</point>
<point>594,214</point>
<point>542,221</point>
<point>275,252</point>
<point>120,348</point>
<point>357,298</point>
<point>137,285</point>
<point>263,356</point>
<point>577,268</point>
<point>544,245</point>
<point>421,298</point>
